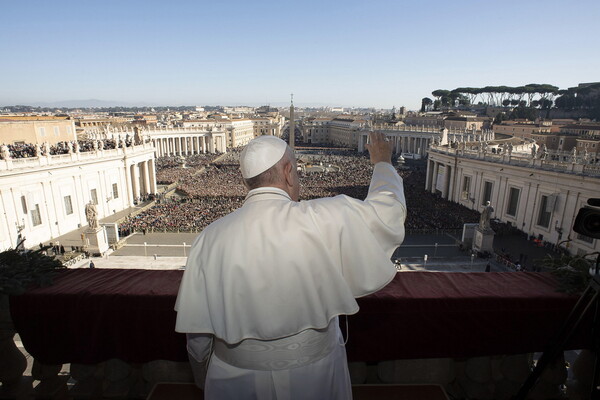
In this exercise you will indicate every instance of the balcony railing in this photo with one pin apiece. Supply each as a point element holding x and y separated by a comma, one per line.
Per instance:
<point>57,159</point>
<point>472,333</point>
<point>554,161</point>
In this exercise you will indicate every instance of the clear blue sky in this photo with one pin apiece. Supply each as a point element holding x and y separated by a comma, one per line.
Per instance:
<point>350,53</point>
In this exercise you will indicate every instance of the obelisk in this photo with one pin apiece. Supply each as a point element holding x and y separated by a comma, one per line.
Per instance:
<point>292,123</point>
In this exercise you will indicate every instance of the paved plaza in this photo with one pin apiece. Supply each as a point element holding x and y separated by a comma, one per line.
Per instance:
<point>170,250</point>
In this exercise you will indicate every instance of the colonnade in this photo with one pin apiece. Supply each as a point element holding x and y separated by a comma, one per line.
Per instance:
<point>402,143</point>
<point>411,144</point>
<point>439,178</point>
<point>141,179</point>
<point>183,145</point>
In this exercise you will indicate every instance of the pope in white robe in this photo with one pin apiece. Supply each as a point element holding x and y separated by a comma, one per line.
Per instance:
<point>264,286</point>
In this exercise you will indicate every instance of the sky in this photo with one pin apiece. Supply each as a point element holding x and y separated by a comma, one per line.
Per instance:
<point>328,53</point>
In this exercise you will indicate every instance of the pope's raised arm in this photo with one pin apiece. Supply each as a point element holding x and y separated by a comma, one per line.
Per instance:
<point>380,149</point>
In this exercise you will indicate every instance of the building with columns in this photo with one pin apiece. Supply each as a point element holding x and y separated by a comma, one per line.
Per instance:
<point>339,131</point>
<point>186,141</point>
<point>239,131</point>
<point>417,139</point>
<point>540,197</point>
<point>46,196</point>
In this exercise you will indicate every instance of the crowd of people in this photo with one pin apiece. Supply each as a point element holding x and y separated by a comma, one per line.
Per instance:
<point>27,150</point>
<point>171,169</point>
<point>210,189</point>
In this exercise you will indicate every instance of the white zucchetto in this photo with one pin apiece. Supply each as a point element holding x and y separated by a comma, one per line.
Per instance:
<point>261,154</point>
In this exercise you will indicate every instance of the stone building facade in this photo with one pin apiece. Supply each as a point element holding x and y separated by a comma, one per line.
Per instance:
<point>539,197</point>
<point>26,130</point>
<point>45,196</point>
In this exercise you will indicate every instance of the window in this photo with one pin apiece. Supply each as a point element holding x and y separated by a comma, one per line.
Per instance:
<point>513,201</point>
<point>56,131</point>
<point>466,188</point>
<point>94,196</point>
<point>487,192</point>
<point>466,184</point>
<point>68,205</point>
<point>36,217</point>
<point>544,212</point>
<point>115,191</point>
<point>42,131</point>
<point>24,204</point>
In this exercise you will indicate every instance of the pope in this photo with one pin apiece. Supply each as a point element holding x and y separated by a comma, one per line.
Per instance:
<point>265,285</point>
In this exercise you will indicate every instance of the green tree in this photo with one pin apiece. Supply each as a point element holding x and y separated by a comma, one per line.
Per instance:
<point>426,103</point>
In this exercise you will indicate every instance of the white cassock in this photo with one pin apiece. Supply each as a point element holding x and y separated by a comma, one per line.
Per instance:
<point>268,282</point>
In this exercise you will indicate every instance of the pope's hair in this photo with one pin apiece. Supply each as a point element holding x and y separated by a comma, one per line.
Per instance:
<point>272,176</point>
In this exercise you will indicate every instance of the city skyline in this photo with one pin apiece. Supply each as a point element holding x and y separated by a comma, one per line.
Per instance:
<point>348,54</point>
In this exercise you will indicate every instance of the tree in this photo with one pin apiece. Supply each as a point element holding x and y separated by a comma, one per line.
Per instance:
<point>20,270</point>
<point>426,103</point>
<point>443,96</point>
<point>506,102</point>
<point>499,118</point>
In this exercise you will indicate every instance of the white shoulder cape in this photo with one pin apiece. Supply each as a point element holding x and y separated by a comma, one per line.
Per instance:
<point>276,267</point>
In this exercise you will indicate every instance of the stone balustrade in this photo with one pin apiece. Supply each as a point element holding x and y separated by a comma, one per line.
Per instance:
<point>554,161</point>
<point>121,349</point>
<point>11,164</point>
<point>484,378</point>
<point>489,377</point>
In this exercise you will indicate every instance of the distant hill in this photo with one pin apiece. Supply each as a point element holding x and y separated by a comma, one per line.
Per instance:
<point>90,103</point>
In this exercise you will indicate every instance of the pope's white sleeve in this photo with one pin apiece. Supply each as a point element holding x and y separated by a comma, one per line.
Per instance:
<point>199,347</point>
<point>386,197</point>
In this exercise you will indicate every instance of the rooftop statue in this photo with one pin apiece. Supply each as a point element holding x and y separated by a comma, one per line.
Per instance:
<point>4,152</point>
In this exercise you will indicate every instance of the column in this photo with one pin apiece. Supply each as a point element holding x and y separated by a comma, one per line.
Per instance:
<point>203,144</point>
<point>446,182</point>
<point>434,177</point>
<point>211,144</point>
<point>135,181</point>
<point>429,175</point>
<point>129,185</point>
<point>152,176</point>
<point>145,177</point>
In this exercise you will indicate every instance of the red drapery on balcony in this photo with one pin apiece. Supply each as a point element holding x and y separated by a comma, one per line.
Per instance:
<point>92,315</point>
